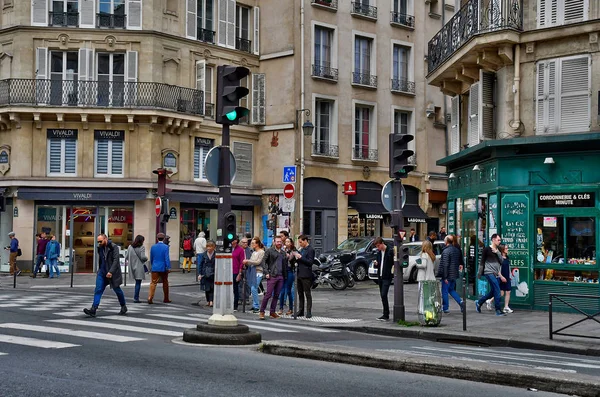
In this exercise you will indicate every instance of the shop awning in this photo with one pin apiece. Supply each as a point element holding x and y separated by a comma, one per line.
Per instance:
<point>367,199</point>
<point>80,195</point>
<point>414,214</point>
<point>241,200</point>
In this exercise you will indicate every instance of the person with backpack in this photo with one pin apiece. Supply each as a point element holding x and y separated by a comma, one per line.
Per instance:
<point>188,253</point>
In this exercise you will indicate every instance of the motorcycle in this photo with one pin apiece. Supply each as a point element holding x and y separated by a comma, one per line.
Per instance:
<point>333,273</point>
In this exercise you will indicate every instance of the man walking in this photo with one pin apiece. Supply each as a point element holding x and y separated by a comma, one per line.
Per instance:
<point>490,267</point>
<point>109,272</point>
<point>237,256</point>
<point>42,242</point>
<point>384,263</point>
<point>275,271</point>
<point>161,266</point>
<point>304,259</point>
<point>199,247</point>
<point>448,271</point>
<point>13,249</point>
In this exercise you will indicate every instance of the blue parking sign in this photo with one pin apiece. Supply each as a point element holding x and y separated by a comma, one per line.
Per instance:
<point>289,174</point>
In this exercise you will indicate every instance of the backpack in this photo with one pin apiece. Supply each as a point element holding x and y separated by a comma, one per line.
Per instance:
<point>187,244</point>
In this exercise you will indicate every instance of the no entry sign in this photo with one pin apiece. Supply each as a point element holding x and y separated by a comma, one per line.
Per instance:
<point>158,203</point>
<point>288,191</point>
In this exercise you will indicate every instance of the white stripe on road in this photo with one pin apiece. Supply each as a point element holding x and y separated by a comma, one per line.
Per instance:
<point>149,321</point>
<point>553,356</point>
<point>244,321</point>
<point>41,309</point>
<point>3,354</point>
<point>45,344</point>
<point>10,305</point>
<point>117,326</point>
<point>70,332</point>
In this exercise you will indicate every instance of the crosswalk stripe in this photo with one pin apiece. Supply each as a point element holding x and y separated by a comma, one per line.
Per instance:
<point>41,309</point>
<point>45,344</point>
<point>149,321</point>
<point>279,324</point>
<point>117,326</point>
<point>70,332</point>
<point>10,305</point>
<point>3,354</point>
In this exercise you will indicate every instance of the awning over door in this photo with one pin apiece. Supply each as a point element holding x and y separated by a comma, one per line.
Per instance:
<point>367,199</point>
<point>414,214</point>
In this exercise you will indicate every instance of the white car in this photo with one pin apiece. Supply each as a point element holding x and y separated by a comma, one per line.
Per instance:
<point>414,251</point>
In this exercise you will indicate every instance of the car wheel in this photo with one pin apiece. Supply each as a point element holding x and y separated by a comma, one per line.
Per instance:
<point>413,275</point>
<point>360,272</point>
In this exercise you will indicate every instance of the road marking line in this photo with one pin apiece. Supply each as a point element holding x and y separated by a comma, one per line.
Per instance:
<point>244,321</point>
<point>3,354</point>
<point>45,344</point>
<point>117,326</point>
<point>10,305</point>
<point>149,321</point>
<point>532,354</point>
<point>70,332</point>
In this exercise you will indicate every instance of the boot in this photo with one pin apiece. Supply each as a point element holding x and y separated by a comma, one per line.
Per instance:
<point>123,310</point>
<point>90,312</point>
<point>300,313</point>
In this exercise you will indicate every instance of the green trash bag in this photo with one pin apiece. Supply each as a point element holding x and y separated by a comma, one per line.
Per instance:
<point>429,308</point>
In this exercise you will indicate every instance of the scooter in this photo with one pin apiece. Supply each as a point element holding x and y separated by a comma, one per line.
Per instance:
<point>332,273</point>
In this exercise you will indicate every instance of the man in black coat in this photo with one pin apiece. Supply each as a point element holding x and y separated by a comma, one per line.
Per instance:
<point>384,263</point>
<point>304,259</point>
<point>448,271</point>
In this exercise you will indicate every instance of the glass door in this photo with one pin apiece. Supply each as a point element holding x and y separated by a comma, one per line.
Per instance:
<point>85,230</point>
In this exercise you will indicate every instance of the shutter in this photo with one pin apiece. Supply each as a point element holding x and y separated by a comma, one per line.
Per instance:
<point>39,12</point>
<point>116,163</point>
<point>547,13</point>
<point>54,156</point>
<point>201,80</point>
<point>546,97</point>
<point>473,133</point>
<point>455,125</point>
<point>87,86</point>
<point>222,23</point>
<point>134,14</point>
<point>256,30</point>
<point>131,77</point>
<point>486,105</point>
<point>575,11</point>
<point>42,85</point>
<point>192,19</point>
<point>203,156</point>
<point>70,156</point>
<point>102,156</point>
<point>242,152</point>
<point>231,23</point>
<point>197,151</point>
<point>258,99</point>
<point>87,13</point>
<point>575,92</point>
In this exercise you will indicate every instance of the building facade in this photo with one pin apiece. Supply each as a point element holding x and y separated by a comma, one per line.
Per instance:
<point>524,148</point>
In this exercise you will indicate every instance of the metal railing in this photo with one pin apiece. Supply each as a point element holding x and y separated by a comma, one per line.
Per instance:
<point>403,19</point>
<point>325,149</point>
<point>325,72</point>
<point>208,36</point>
<point>364,78</point>
<point>473,19</point>
<point>63,19</point>
<point>560,297</point>
<point>364,153</point>
<point>364,9</point>
<point>403,85</point>
<point>111,21</point>
<point>102,94</point>
<point>326,3</point>
<point>243,45</point>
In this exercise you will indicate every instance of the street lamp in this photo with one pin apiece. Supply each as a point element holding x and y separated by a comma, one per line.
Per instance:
<point>307,130</point>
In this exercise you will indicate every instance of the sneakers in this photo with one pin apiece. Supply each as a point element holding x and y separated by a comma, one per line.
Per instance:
<point>477,307</point>
<point>383,318</point>
<point>508,310</point>
<point>274,315</point>
<point>255,311</point>
<point>500,313</point>
<point>90,312</point>
<point>308,315</point>
<point>488,304</point>
<point>123,310</point>
<point>261,316</point>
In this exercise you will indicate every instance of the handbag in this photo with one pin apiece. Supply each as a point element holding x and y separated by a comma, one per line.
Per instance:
<point>482,287</point>
<point>19,252</point>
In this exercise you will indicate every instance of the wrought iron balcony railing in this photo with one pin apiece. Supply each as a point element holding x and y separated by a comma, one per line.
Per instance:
<point>100,94</point>
<point>403,85</point>
<point>64,19</point>
<point>365,10</point>
<point>325,72</point>
<point>243,45</point>
<point>208,36</point>
<point>364,78</point>
<point>111,21</point>
<point>209,110</point>
<point>333,4</point>
<point>364,153</point>
<point>474,18</point>
<point>403,19</point>
<point>325,149</point>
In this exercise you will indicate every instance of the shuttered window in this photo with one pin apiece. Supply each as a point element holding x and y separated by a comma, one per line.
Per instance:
<point>242,152</point>
<point>258,99</point>
<point>455,125</point>
<point>62,157</point>
<point>256,30</point>
<point>39,13</point>
<point>487,87</point>
<point>226,25</point>
<point>473,130</point>
<point>134,14</point>
<point>561,12</point>
<point>200,152</point>
<point>109,157</point>
<point>563,95</point>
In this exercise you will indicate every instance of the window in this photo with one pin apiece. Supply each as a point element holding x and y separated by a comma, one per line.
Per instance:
<point>64,13</point>
<point>200,20</point>
<point>455,125</point>
<point>62,152</point>
<point>258,99</point>
<point>242,151</point>
<point>111,78</point>
<point>323,40</point>
<point>109,153</point>
<point>323,119</point>
<point>561,12</point>
<point>364,57</point>
<point>242,29</point>
<point>111,13</point>
<point>205,15</point>
<point>64,76</point>
<point>401,69</point>
<point>563,95</point>
<point>402,11</point>
<point>226,32</point>
<point>363,149</point>
<point>201,148</point>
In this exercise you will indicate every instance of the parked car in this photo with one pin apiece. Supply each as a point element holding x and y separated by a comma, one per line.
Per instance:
<point>360,264</point>
<point>347,250</point>
<point>414,251</point>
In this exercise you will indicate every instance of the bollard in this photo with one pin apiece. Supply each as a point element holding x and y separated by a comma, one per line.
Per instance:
<point>223,294</point>
<point>464,302</point>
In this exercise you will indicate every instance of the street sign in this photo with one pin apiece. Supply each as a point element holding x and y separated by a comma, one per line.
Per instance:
<point>211,166</point>
<point>288,191</point>
<point>387,197</point>
<point>158,204</point>
<point>287,205</point>
<point>289,174</point>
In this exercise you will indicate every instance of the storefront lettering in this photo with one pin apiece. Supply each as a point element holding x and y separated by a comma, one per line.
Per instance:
<point>374,216</point>
<point>416,220</point>
<point>113,135</point>
<point>61,133</point>
<point>204,142</point>
<point>553,200</point>
<point>82,196</point>
<point>515,234</point>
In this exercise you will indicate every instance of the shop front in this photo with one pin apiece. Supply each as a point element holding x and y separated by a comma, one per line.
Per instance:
<point>366,214</point>
<point>541,197</point>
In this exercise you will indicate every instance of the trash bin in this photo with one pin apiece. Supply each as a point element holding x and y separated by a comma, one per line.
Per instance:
<point>429,309</point>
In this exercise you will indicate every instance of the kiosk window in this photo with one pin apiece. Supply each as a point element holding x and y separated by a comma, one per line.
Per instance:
<point>550,239</point>
<point>581,238</point>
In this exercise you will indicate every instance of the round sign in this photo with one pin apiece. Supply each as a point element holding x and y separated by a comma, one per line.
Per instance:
<point>387,196</point>
<point>288,191</point>
<point>158,203</point>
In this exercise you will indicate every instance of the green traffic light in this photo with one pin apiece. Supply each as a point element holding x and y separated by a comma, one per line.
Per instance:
<point>230,236</point>
<point>231,116</point>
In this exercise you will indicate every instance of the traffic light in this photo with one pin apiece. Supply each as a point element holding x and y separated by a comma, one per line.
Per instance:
<point>396,221</point>
<point>229,93</point>
<point>165,215</point>
<point>399,155</point>
<point>404,256</point>
<point>229,227</point>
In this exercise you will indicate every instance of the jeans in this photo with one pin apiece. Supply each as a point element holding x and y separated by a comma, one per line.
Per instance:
<point>494,292</point>
<point>198,260</point>
<point>101,284</point>
<point>136,292</point>
<point>384,288</point>
<point>287,291</point>
<point>39,260</point>
<point>449,288</point>
<point>53,265</point>
<point>254,290</point>
<point>274,286</point>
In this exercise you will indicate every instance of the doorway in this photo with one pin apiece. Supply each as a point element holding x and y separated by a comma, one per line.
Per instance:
<point>321,225</point>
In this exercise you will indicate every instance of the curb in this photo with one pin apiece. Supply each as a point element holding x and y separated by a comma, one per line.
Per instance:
<point>522,378</point>
<point>466,338</point>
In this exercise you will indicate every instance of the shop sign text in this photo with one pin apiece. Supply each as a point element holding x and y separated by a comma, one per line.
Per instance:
<point>561,200</point>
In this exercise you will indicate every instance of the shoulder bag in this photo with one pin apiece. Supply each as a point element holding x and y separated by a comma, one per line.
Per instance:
<point>138,255</point>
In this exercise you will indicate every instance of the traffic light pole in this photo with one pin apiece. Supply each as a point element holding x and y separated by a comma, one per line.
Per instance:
<point>399,310</point>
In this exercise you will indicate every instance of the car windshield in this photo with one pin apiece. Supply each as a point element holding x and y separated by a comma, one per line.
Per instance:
<point>414,250</point>
<point>354,244</point>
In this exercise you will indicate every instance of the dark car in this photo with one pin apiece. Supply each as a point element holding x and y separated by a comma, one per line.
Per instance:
<point>347,250</point>
<point>360,264</point>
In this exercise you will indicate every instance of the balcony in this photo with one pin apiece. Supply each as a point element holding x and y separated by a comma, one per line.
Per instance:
<point>363,10</point>
<point>208,36</point>
<point>324,72</point>
<point>403,86</point>
<point>64,19</point>
<point>243,45</point>
<point>111,21</point>
<point>401,19</point>
<point>330,5</point>
<point>458,42</point>
<point>364,78</point>
<point>100,94</point>
<point>364,154</point>
<point>324,149</point>
<point>209,110</point>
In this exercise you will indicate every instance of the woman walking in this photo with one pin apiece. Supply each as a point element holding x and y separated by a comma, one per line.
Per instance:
<point>207,273</point>
<point>256,262</point>
<point>52,254</point>
<point>505,286</point>
<point>429,304</point>
<point>288,287</point>
<point>136,259</point>
<point>188,253</point>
